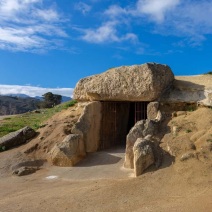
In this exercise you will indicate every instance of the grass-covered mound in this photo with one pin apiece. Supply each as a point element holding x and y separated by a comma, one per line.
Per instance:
<point>32,119</point>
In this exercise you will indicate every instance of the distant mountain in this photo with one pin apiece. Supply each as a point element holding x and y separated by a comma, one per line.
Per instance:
<point>10,105</point>
<point>19,95</point>
<point>64,98</point>
<point>21,103</point>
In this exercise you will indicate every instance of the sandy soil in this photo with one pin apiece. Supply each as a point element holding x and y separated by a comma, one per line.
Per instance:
<point>100,183</point>
<point>167,189</point>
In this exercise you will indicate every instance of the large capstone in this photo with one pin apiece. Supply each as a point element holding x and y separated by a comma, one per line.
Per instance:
<point>126,83</point>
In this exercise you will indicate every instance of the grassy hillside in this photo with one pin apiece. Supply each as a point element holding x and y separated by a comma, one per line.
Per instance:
<point>32,119</point>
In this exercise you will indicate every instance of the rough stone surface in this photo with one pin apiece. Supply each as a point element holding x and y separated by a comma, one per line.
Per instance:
<point>25,171</point>
<point>88,126</point>
<point>126,83</point>
<point>191,89</point>
<point>150,127</point>
<point>180,145</point>
<point>152,110</point>
<point>143,155</point>
<point>69,152</point>
<point>36,164</point>
<point>17,138</point>
<point>187,156</point>
<point>141,129</point>
<point>135,133</point>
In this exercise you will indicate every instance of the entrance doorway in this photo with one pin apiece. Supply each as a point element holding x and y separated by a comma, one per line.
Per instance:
<point>117,120</point>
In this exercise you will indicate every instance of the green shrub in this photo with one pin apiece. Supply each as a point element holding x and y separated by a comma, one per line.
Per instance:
<point>2,148</point>
<point>69,104</point>
<point>7,118</point>
<point>210,72</point>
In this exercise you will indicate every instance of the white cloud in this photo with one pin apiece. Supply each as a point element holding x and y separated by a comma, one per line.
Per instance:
<point>190,20</point>
<point>83,7</point>
<point>107,33</point>
<point>15,8</point>
<point>26,25</point>
<point>47,15</point>
<point>156,9</point>
<point>115,11</point>
<point>33,91</point>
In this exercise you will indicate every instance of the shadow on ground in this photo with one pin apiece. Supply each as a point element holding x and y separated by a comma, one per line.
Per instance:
<point>167,161</point>
<point>99,158</point>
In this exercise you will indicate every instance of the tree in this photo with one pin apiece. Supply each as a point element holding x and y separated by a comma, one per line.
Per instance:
<point>50,100</point>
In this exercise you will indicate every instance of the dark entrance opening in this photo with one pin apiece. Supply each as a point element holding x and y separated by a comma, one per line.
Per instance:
<point>117,120</point>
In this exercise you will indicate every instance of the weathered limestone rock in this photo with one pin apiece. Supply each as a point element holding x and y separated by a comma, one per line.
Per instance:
<point>191,89</point>
<point>135,133</point>
<point>141,129</point>
<point>150,127</point>
<point>187,156</point>
<point>152,110</point>
<point>143,155</point>
<point>127,83</point>
<point>17,138</point>
<point>69,152</point>
<point>88,126</point>
<point>25,171</point>
<point>180,145</point>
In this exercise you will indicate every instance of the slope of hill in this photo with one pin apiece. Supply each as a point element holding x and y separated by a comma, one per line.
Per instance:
<point>94,184</point>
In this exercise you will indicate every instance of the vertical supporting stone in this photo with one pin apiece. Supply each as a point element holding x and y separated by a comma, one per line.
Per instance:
<point>88,126</point>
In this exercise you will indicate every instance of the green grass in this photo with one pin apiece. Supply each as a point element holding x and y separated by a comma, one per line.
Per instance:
<point>190,108</point>
<point>33,120</point>
<point>188,131</point>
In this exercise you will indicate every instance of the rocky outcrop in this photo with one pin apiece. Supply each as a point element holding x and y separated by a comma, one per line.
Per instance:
<point>190,89</point>
<point>127,83</point>
<point>187,156</point>
<point>180,144</point>
<point>143,155</point>
<point>88,126</point>
<point>16,138</point>
<point>69,152</point>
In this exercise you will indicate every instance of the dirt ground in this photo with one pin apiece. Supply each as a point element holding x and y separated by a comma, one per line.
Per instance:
<point>100,183</point>
<point>107,186</point>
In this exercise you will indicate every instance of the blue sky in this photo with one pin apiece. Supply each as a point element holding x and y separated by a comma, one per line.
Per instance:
<point>54,43</point>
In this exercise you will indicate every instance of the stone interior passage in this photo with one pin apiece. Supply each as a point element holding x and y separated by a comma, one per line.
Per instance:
<point>117,120</point>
